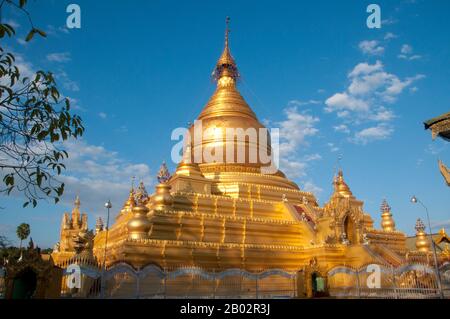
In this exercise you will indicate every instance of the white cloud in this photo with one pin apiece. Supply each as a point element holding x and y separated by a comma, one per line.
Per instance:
<point>302,103</point>
<point>56,31</point>
<point>369,90</point>
<point>309,186</point>
<point>293,168</point>
<point>390,35</point>
<point>103,115</point>
<point>21,41</point>
<point>59,57</point>
<point>312,157</point>
<point>389,21</point>
<point>371,47</point>
<point>294,131</point>
<point>365,68</point>
<point>379,132</point>
<point>67,83</point>
<point>97,174</point>
<point>345,101</point>
<point>406,53</point>
<point>406,49</point>
<point>396,86</point>
<point>341,128</point>
<point>333,148</point>
<point>75,104</point>
<point>436,148</point>
<point>383,115</point>
<point>12,23</point>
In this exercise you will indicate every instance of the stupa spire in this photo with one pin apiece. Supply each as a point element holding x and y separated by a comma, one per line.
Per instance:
<point>340,186</point>
<point>387,222</point>
<point>226,66</point>
<point>77,202</point>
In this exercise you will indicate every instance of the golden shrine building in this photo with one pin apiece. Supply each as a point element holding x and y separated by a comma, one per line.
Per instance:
<point>211,228</point>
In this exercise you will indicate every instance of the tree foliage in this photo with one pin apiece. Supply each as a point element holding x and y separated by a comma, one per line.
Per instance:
<point>23,231</point>
<point>34,121</point>
<point>4,242</point>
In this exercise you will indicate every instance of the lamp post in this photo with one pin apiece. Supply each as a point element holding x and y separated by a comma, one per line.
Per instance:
<point>108,206</point>
<point>415,200</point>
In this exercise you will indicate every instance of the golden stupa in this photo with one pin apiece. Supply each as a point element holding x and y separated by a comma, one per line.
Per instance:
<point>219,216</point>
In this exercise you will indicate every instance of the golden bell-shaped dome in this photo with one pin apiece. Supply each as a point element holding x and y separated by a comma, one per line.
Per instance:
<point>187,166</point>
<point>228,143</point>
<point>139,225</point>
<point>162,200</point>
<point>422,242</point>
<point>340,186</point>
<point>227,111</point>
<point>387,222</point>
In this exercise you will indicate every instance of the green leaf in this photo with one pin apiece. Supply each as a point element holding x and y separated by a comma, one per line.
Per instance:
<point>41,33</point>
<point>9,29</point>
<point>30,35</point>
<point>42,135</point>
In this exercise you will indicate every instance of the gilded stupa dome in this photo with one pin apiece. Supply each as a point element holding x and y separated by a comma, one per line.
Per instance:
<point>227,111</point>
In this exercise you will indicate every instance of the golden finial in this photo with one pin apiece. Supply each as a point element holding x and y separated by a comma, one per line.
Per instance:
<point>163,173</point>
<point>132,183</point>
<point>227,31</point>
<point>340,186</point>
<point>77,202</point>
<point>226,67</point>
<point>422,243</point>
<point>387,222</point>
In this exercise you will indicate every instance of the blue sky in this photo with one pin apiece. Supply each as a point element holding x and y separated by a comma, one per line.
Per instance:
<point>136,70</point>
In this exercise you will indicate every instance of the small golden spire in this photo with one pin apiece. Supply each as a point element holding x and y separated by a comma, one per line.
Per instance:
<point>387,222</point>
<point>138,226</point>
<point>227,31</point>
<point>187,166</point>
<point>226,66</point>
<point>77,202</point>
<point>422,242</point>
<point>76,217</point>
<point>340,186</point>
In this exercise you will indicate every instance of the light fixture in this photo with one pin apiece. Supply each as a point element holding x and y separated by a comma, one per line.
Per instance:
<point>415,200</point>
<point>108,204</point>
